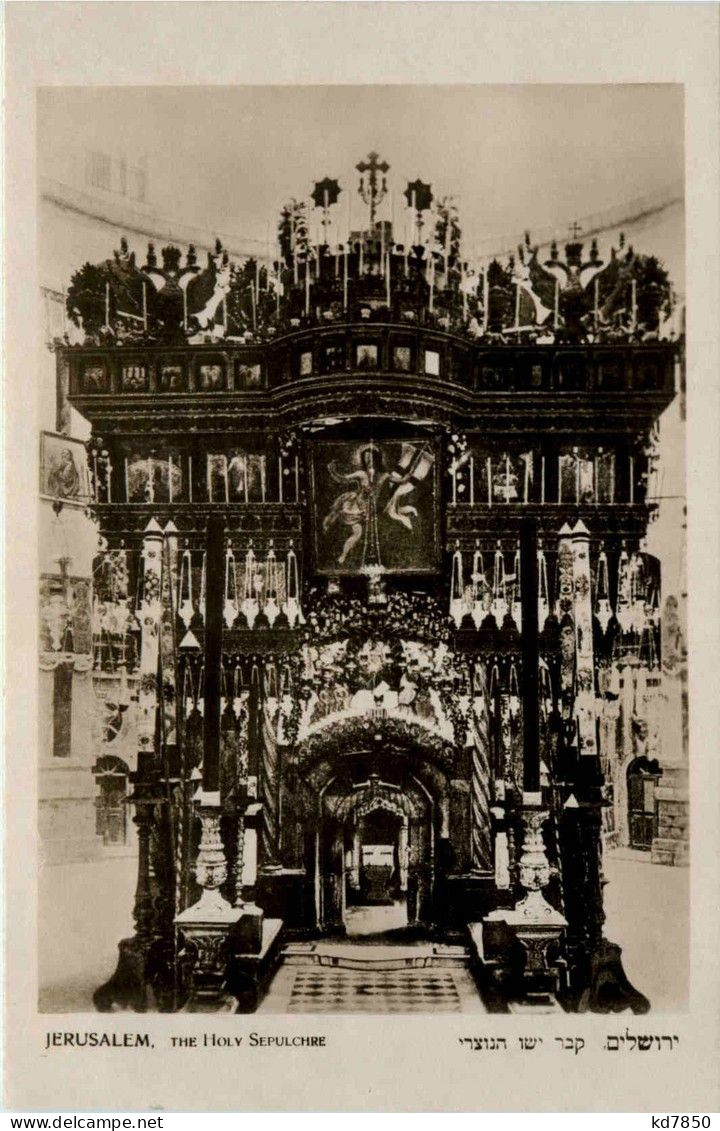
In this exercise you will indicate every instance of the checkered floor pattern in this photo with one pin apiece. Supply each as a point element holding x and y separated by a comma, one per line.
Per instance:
<point>322,990</point>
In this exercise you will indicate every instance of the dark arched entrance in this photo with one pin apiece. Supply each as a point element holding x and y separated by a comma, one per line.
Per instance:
<point>375,826</point>
<point>376,851</point>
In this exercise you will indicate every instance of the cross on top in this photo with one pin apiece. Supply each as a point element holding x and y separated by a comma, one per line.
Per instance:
<point>372,190</point>
<point>575,229</point>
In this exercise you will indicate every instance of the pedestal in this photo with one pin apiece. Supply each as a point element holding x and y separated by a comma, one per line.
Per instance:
<point>533,922</point>
<point>205,926</point>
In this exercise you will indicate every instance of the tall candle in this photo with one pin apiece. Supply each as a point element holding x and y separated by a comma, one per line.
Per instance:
<point>144,306</point>
<point>387,281</point>
<point>127,481</point>
<point>170,477</point>
<point>107,305</point>
<point>632,480</point>
<point>556,315</point>
<point>488,469</point>
<point>280,479</point>
<point>454,483</point>
<point>307,286</point>
<point>190,479</point>
<point>472,480</point>
<point>345,277</point>
<point>542,479</point>
<point>486,297</point>
<point>297,481</point>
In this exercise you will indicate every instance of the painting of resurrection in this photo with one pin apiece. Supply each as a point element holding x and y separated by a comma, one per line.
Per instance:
<point>375,505</point>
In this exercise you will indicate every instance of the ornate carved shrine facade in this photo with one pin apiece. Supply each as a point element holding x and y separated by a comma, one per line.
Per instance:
<point>371,561</point>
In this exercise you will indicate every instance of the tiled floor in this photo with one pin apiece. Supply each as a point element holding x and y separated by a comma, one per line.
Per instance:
<point>362,978</point>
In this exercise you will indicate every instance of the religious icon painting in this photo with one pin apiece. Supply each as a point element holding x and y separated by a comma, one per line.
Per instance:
<point>375,506</point>
<point>95,378</point>
<point>172,377</point>
<point>134,378</point>
<point>153,478</point>
<point>63,469</point>
<point>211,377</point>
<point>236,477</point>
<point>249,376</point>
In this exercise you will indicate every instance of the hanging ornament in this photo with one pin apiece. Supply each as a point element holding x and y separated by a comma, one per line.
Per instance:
<point>271,609</point>
<point>250,607</point>
<point>203,587</point>
<point>543,593</point>
<point>499,606</point>
<point>478,585</point>
<point>457,601</point>
<point>637,593</point>
<point>514,690</point>
<point>291,608</point>
<point>493,687</point>
<point>603,609</point>
<point>185,602</point>
<point>516,604</point>
<point>622,611</point>
<point>230,611</point>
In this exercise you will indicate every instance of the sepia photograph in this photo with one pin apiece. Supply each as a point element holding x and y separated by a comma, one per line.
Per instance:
<point>383,703</point>
<point>361,584</point>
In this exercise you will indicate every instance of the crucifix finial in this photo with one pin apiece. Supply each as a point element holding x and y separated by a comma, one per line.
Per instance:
<point>575,229</point>
<point>372,188</point>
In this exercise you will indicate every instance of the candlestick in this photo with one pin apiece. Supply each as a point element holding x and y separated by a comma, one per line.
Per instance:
<point>127,482</point>
<point>170,478</point>
<point>144,306</point>
<point>185,308</point>
<point>280,479</point>
<point>488,468</point>
<point>387,281</point>
<point>557,303</point>
<point>297,480</point>
<point>486,297</point>
<point>632,479</point>
<point>472,480</point>
<point>107,306</point>
<point>454,483</point>
<point>542,479</point>
<point>307,286</point>
<point>245,477</point>
<point>190,479</point>
<point>345,278</point>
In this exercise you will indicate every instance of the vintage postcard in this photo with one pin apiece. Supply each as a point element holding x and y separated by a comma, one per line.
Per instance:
<point>376,611</point>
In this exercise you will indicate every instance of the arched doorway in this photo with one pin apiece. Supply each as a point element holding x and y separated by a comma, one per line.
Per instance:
<point>642,778</point>
<point>376,854</point>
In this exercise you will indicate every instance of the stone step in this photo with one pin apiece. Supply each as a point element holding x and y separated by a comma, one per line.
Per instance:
<point>371,957</point>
